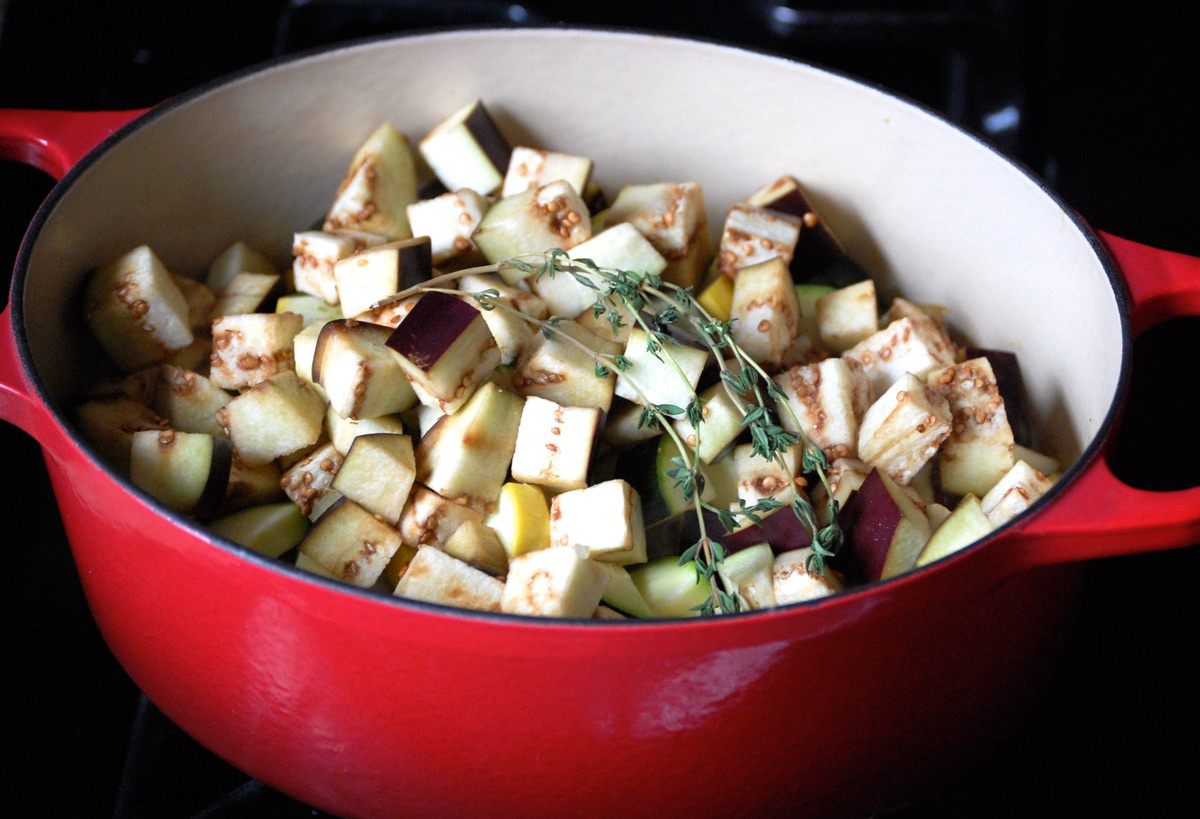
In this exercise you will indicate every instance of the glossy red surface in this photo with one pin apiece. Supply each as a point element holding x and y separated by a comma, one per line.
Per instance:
<point>366,707</point>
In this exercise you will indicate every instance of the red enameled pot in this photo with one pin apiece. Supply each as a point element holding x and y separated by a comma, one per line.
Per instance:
<point>365,705</point>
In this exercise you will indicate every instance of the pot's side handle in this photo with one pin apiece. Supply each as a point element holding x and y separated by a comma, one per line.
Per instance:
<point>53,141</point>
<point>1101,516</point>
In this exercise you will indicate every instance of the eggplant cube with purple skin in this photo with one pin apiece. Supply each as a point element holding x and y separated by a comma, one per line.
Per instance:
<point>358,373</point>
<point>449,221</point>
<point>311,478</point>
<point>904,429</point>
<point>379,185</point>
<point>554,444</point>
<point>825,397</point>
<point>273,418</point>
<point>553,582</point>
<point>446,350</point>
<point>765,311</point>
<point>374,274</point>
<point>436,577</point>
<point>466,456</point>
<point>135,309</point>
<point>884,529</point>
<point>754,235</point>
<point>980,449</point>
<point>467,150</point>
<point>351,544</point>
<point>603,521</point>
<point>378,474</point>
<point>532,168</point>
<point>253,347</point>
<point>186,471</point>
<point>552,216</point>
<point>904,346</point>
<point>316,253</point>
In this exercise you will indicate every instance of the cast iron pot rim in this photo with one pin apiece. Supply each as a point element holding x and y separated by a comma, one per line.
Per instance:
<point>848,597</point>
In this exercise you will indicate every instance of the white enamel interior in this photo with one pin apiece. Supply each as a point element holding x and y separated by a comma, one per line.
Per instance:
<point>932,213</point>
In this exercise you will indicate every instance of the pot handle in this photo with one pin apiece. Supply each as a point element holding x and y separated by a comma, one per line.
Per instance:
<point>1101,516</point>
<point>52,141</point>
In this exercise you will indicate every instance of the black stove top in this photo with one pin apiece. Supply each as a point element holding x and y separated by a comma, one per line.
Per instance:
<point>1093,99</point>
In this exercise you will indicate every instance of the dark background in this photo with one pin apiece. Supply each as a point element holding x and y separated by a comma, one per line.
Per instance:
<point>1107,116</point>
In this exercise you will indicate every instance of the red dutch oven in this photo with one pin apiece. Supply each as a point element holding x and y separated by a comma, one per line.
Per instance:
<point>370,706</point>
